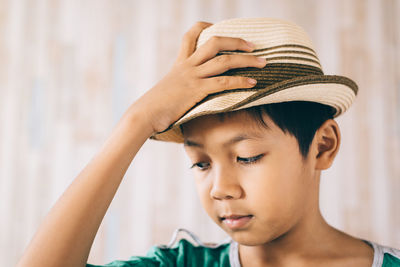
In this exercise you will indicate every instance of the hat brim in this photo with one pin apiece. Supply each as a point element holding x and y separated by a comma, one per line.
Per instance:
<point>336,91</point>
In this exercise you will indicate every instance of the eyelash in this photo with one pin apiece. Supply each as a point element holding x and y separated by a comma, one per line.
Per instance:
<point>246,161</point>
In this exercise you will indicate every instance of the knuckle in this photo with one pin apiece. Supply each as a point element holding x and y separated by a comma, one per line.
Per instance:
<point>187,36</point>
<point>192,84</point>
<point>215,39</point>
<point>223,81</point>
<point>189,76</point>
<point>194,31</point>
<point>198,26</point>
<point>195,28</point>
<point>219,59</point>
<point>201,89</point>
<point>223,59</point>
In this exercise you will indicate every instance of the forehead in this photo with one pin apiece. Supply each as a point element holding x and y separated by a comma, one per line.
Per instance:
<point>227,128</point>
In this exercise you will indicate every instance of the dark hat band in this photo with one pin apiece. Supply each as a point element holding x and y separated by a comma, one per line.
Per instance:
<point>273,73</point>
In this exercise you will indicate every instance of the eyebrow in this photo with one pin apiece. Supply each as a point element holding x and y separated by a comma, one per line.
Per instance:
<point>230,142</point>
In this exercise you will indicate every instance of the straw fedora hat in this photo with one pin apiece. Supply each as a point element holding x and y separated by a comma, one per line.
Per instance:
<point>293,72</point>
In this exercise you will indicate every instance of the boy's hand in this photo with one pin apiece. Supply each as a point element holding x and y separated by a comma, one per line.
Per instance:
<point>191,76</point>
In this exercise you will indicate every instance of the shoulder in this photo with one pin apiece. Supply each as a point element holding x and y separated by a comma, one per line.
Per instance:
<point>184,249</point>
<point>385,256</point>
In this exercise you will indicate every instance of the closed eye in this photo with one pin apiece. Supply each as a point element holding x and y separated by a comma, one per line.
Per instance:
<point>250,160</point>
<point>201,165</point>
<point>204,165</point>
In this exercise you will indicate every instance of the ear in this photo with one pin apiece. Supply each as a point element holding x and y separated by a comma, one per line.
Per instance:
<point>327,141</point>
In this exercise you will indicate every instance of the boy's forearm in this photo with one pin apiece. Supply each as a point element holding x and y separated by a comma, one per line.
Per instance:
<point>67,233</point>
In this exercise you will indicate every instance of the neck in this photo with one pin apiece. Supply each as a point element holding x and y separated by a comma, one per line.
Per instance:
<point>306,239</point>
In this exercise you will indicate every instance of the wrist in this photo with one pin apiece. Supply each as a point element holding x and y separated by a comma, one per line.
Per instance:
<point>137,119</point>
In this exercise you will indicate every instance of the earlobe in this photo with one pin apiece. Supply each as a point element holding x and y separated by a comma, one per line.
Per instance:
<point>327,142</point>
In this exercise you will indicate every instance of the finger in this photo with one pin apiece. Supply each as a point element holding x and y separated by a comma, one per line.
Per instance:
<point>216,44</point>
<point>221,83</point>
<point>189,39</point>
<point>222,63</point>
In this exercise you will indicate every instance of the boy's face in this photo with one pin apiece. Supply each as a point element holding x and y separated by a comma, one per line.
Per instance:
<point>260,173</point>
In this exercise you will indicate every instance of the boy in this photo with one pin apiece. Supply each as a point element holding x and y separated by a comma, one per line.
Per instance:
<point>257,147</point>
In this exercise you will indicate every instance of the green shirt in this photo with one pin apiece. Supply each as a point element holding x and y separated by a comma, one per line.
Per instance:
<point>182,252</point>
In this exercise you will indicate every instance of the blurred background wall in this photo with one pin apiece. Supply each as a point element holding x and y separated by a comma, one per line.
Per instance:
<point>70,68</point>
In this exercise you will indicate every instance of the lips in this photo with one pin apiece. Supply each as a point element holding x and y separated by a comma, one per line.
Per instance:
<point>234,216</point>
<point>235,222</point>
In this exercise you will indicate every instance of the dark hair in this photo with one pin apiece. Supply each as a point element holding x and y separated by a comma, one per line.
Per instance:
<point>298,118</point>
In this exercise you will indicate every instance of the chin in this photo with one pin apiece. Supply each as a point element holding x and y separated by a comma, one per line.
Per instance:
<point>255,237</point>
<point>247,238</point>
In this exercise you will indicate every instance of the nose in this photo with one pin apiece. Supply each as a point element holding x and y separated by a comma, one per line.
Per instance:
<point>225,185</point>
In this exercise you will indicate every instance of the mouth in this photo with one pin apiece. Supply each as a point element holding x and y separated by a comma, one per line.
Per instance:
<point>233,217</point>
<point>236,221</point>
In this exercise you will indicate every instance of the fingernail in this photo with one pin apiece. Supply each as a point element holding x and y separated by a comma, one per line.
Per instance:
<point>251,81</point>
<point>250,44</point>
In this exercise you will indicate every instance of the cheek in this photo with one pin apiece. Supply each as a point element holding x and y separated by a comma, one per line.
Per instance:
<point>203,191</point>
<point>277,188</point>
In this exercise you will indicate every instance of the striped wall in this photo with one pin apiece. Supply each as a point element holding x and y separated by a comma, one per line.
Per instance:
<point>69,69</point>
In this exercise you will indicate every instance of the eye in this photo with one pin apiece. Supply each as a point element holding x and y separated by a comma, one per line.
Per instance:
<point>250,160</point>
<point>201,165</point>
